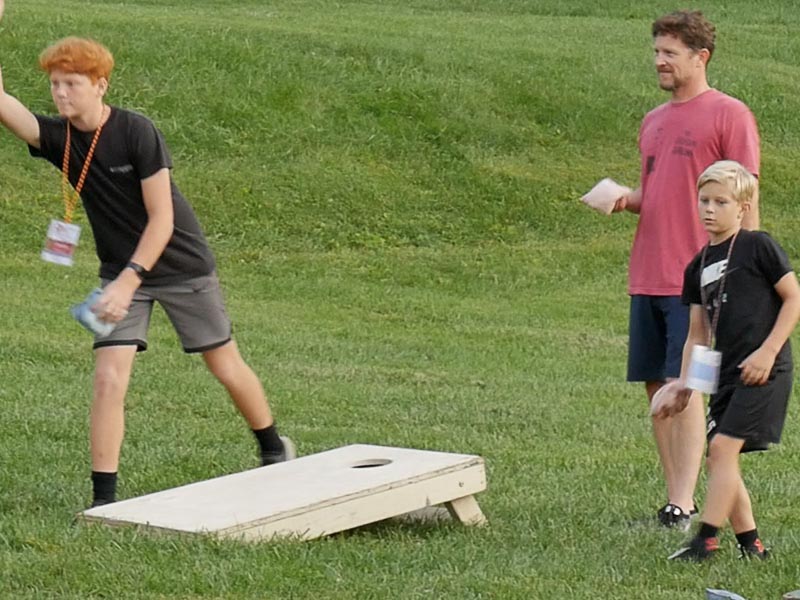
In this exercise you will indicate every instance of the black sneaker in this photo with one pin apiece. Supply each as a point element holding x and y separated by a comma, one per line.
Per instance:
<point>698,550</point>
<point>756,551</point>
<point>673,516</point>
<point>287,453</point>
<point>100,502</point>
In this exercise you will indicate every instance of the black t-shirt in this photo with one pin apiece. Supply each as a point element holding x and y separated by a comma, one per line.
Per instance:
<point>129,149</point>
<point>750,304</point>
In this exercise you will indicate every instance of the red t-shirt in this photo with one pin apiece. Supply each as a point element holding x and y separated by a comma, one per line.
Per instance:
<point>677,141</point>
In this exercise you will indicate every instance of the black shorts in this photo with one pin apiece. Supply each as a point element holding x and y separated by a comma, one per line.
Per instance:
<point>753,413</point>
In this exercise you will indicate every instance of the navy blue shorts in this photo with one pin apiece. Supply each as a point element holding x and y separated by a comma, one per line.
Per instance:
<point>657,332</point>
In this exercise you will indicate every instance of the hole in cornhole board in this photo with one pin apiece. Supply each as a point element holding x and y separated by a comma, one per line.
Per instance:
<point>371,463</point>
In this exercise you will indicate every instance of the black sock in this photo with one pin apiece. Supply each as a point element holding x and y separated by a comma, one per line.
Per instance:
<point>104,487</point>
<point>707,531</point>
<point>747,538</point>
<point>268,439</point>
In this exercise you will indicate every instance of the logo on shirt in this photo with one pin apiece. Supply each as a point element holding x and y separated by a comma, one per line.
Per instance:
<point>121,169</point>
<point>711,277</point>
<point>685,144</point>
<point>713,273</point>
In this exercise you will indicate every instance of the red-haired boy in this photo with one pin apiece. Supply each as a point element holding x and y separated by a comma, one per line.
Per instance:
<point>149,242</point>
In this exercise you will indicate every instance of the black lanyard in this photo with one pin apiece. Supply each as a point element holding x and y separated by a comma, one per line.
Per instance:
<point>717,302</point>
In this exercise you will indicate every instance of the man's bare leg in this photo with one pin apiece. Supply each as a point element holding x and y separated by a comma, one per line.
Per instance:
<point>680,441</point>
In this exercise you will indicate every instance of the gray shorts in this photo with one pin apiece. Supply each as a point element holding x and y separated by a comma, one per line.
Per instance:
<point>195,307</point>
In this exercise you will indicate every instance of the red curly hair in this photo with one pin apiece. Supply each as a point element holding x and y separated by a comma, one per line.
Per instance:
<point>78,55</point>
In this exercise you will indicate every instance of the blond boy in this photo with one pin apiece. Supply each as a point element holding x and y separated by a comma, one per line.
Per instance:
<point>744,302</point>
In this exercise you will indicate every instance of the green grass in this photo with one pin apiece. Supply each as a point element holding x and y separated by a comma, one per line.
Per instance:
<point>391,189</point>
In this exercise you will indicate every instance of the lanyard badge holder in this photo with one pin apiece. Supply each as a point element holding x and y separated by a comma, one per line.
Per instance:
<point>62,236</point>
<point>704,365</point>
<point>704,370</point>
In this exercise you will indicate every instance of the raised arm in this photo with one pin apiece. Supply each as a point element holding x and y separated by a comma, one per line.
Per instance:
<point>16,117</point>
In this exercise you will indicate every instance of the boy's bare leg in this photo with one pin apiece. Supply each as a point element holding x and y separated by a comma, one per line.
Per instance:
<point>742,518</point>
<point>244,387</point>
<point>724,479</point>
<point>112,374</point>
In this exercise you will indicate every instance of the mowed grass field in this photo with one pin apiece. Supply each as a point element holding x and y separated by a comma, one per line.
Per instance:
<point>391,189</point>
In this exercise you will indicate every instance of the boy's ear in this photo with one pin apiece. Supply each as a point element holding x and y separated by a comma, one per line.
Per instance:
<point>745,206</point>
<point>102,84</point>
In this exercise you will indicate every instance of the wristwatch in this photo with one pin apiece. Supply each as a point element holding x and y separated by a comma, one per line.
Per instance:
<point>137,268</point>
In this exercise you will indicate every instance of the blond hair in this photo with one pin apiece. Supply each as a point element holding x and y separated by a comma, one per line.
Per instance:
<point>741,182</point>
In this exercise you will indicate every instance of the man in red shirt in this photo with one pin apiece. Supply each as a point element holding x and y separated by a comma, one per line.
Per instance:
<point>677,141</point>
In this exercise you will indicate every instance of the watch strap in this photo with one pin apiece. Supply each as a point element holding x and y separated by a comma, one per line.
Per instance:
<point>137,268</point>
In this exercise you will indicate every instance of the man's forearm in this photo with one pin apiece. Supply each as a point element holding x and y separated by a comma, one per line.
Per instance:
<point>634,201</point>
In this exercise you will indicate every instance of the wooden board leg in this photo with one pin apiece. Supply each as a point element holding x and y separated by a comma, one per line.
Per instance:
<point>466,510</point>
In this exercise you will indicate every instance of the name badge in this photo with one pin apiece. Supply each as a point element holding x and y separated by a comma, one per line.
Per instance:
<point>704,370</point>
<point>60,243</point>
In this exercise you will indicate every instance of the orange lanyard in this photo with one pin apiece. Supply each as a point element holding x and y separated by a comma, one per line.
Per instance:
<point>70,197</point>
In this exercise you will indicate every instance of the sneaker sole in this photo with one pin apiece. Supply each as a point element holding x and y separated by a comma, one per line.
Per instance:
<point>678,553</point>
<point>288,447</point>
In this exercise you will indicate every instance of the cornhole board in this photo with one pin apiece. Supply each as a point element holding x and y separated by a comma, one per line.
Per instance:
<point>312,496</point>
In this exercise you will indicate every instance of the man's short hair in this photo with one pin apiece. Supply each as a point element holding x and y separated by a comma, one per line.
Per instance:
<point>741,182</point>
<point>78,55</point>
<point>690,27</point>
